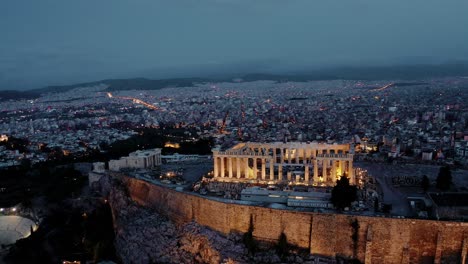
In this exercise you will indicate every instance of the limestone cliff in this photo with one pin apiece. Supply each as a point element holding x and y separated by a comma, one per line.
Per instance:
<point>334,236</point>
<point>145,236</point>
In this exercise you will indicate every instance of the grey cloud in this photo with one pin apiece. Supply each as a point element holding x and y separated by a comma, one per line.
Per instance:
<point>55,41</point>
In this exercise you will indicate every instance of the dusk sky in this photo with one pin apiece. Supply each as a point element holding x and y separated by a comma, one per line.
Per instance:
<point>45,42</point>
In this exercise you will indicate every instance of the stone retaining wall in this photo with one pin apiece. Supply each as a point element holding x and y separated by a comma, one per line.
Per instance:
<point>379,240</point>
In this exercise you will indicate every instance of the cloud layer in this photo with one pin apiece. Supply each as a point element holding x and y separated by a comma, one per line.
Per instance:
<point>56,42</point>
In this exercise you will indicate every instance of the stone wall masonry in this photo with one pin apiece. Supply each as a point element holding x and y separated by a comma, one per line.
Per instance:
<point>379,240</point>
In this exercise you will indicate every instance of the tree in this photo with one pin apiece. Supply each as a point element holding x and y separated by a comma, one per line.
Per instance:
<point>376,204</point>
<point>425,183</point>
<point>282,249</point>
<point>444,179</point>
<point>343,194</point>
<point>26,164</point>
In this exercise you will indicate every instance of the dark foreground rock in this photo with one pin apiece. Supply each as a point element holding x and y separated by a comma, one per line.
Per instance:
<point>144,236</point>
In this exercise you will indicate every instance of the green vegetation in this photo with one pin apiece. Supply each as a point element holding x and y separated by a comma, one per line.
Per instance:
<point>148,138</point>
<point>68,234</point>
<point>376,204</point>
<point>64,182</point>
<point>56,180</point>
<point>444,179</point>
<point>343,194</point>
<point>23,183</point>
<point>425,183</point>
<point>14,143</point>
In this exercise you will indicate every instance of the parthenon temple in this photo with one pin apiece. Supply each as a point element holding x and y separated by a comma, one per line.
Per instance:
<point>307,163</point>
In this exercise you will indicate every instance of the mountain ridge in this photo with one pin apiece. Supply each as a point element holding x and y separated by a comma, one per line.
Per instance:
<point>403,72</point>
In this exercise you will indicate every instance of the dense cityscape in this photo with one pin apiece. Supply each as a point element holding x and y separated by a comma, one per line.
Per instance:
<point>412,121</point>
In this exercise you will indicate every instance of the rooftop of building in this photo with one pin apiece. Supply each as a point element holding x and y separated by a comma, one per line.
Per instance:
<point>146,152</point>
<point>293,144</point>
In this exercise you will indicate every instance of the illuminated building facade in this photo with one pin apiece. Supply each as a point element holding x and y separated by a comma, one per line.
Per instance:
<point>140,159</point>
<point>297,162</point>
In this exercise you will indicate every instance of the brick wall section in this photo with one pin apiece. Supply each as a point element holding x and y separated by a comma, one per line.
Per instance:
<point>391,240</point>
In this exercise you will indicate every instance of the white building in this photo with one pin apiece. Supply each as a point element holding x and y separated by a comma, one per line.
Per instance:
<point>98,171</point>
<point>141,159</point>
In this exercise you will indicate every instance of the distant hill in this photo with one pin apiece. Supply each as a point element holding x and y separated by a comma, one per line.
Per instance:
<point>403,72</point>
<point>114,85</point>
<point>128,84</point>
<point>15,95</point>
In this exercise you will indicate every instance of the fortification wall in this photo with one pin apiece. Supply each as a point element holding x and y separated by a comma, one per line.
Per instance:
<point>376,240</point>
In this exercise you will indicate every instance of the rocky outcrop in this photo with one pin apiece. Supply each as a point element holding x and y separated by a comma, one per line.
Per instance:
<point>144,236</point>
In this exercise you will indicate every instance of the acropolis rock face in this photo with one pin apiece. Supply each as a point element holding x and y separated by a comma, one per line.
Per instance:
<point>202,232</point>
<point>376,239</point>
<point>145,236</point>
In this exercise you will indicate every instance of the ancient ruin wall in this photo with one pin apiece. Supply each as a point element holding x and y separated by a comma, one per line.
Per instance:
<point>375,240</point>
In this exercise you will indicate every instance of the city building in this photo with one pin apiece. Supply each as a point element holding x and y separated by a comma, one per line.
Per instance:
<point>140,159</point>
<point>99,168</point>
<point>307,163</point>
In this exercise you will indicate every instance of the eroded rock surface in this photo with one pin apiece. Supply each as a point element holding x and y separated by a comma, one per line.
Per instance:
<point>144,236</point>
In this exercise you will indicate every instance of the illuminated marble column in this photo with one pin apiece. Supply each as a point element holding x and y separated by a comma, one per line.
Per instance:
<point>215,169</point>
<point>230,166</point>
<point>306,174</point>
<point>246,168</point>
<point>272,170</point>
<point>340,167</point>
<point>333,171</point>
<point>275,160</point>
<point>316,175</point>
<point>324,169</point>
<point>296,154</point>
<point>255,169</point>
<point>263,169</point>
<point>289,155</point>
<point>351,173</point>
<point>238,170</point>
<point>222,167</point>
<point>281,155</point>
<point>280,172</point>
